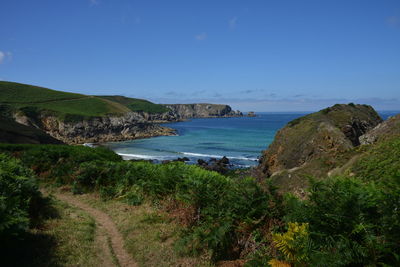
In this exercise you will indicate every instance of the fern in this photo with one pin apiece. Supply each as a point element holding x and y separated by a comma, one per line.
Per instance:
<point>293,243</point>
<point>277,263</point>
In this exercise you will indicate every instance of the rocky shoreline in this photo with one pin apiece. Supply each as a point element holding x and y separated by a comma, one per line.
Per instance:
<point>130,126</point>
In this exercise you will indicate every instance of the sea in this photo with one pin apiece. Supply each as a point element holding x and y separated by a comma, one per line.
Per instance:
<point>240,139</point>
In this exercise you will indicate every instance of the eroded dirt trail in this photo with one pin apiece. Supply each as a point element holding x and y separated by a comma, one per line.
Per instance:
<point>107,230</point>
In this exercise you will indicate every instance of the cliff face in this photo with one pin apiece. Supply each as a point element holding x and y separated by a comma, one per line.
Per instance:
<point>132,125</point>
<point>314,140</point>
<point>101,129</point>
<point>185,111</point>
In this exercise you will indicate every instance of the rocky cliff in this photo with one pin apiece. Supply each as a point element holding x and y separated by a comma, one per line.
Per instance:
<point>185,111</point>
<point>310,144</point>
<point>131,125</point>
<point>97,129</point>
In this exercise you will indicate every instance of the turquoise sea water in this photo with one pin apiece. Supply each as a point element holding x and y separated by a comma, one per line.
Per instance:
<point>239,139</point>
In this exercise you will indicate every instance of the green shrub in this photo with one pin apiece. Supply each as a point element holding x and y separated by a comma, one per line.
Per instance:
<point>18,196</point>
<point>348,223</point>
<point>58,162</point>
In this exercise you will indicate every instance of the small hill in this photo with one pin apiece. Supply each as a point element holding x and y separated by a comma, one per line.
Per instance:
<point>316,143</point>
<point>135,104</point>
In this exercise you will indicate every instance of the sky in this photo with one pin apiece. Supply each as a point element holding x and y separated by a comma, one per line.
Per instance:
<point>255,55</point>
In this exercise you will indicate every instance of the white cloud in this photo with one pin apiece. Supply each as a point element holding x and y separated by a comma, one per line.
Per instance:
<point>201,36</point>
<point>2,56</point>
<point>232,23</point>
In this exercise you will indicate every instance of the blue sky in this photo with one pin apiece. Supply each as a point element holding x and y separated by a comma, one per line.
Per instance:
<point>254,55</point>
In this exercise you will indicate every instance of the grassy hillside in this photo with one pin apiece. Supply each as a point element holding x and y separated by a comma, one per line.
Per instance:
<point>135,104</point>
<point>69,106</point>
<point>18,93</point>
<point>32,100</point>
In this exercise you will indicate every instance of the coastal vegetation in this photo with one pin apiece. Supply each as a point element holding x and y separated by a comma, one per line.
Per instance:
<point>346,220</point>
<point>342,209</point>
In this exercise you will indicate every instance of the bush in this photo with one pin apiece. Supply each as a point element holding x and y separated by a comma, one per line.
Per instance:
<point>57,162</point>
<point>18,196</point>
<point>348,223</point>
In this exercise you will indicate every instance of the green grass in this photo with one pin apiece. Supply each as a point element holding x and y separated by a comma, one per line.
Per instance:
<point>33,100</point>
<point>11,92</point>
<point>85,107</point>
<point>135,104</point>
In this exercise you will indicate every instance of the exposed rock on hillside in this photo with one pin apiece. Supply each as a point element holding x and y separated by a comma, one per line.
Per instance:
<point>131,125</point>
<point>98,129</point>
<point>185,111</point>
<point>386,129</point>
<point>330,131</point>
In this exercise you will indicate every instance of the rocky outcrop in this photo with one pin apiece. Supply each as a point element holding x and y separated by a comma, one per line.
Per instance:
<point>186,111</point>
<point>328,132</point>
<point>132,125</point>
<point>222,165</point>
<point>384,130</point>
<point>98,129</point>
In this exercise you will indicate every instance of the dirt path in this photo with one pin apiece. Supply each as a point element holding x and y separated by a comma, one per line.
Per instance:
<point>108,232</point>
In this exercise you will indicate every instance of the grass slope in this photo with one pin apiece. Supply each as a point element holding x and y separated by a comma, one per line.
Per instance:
<point>69,106</point>
<point>135,104</point>
<point>11,92</point>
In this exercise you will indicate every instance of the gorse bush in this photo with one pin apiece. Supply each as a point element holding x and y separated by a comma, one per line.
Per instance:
<point>18,196</point>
